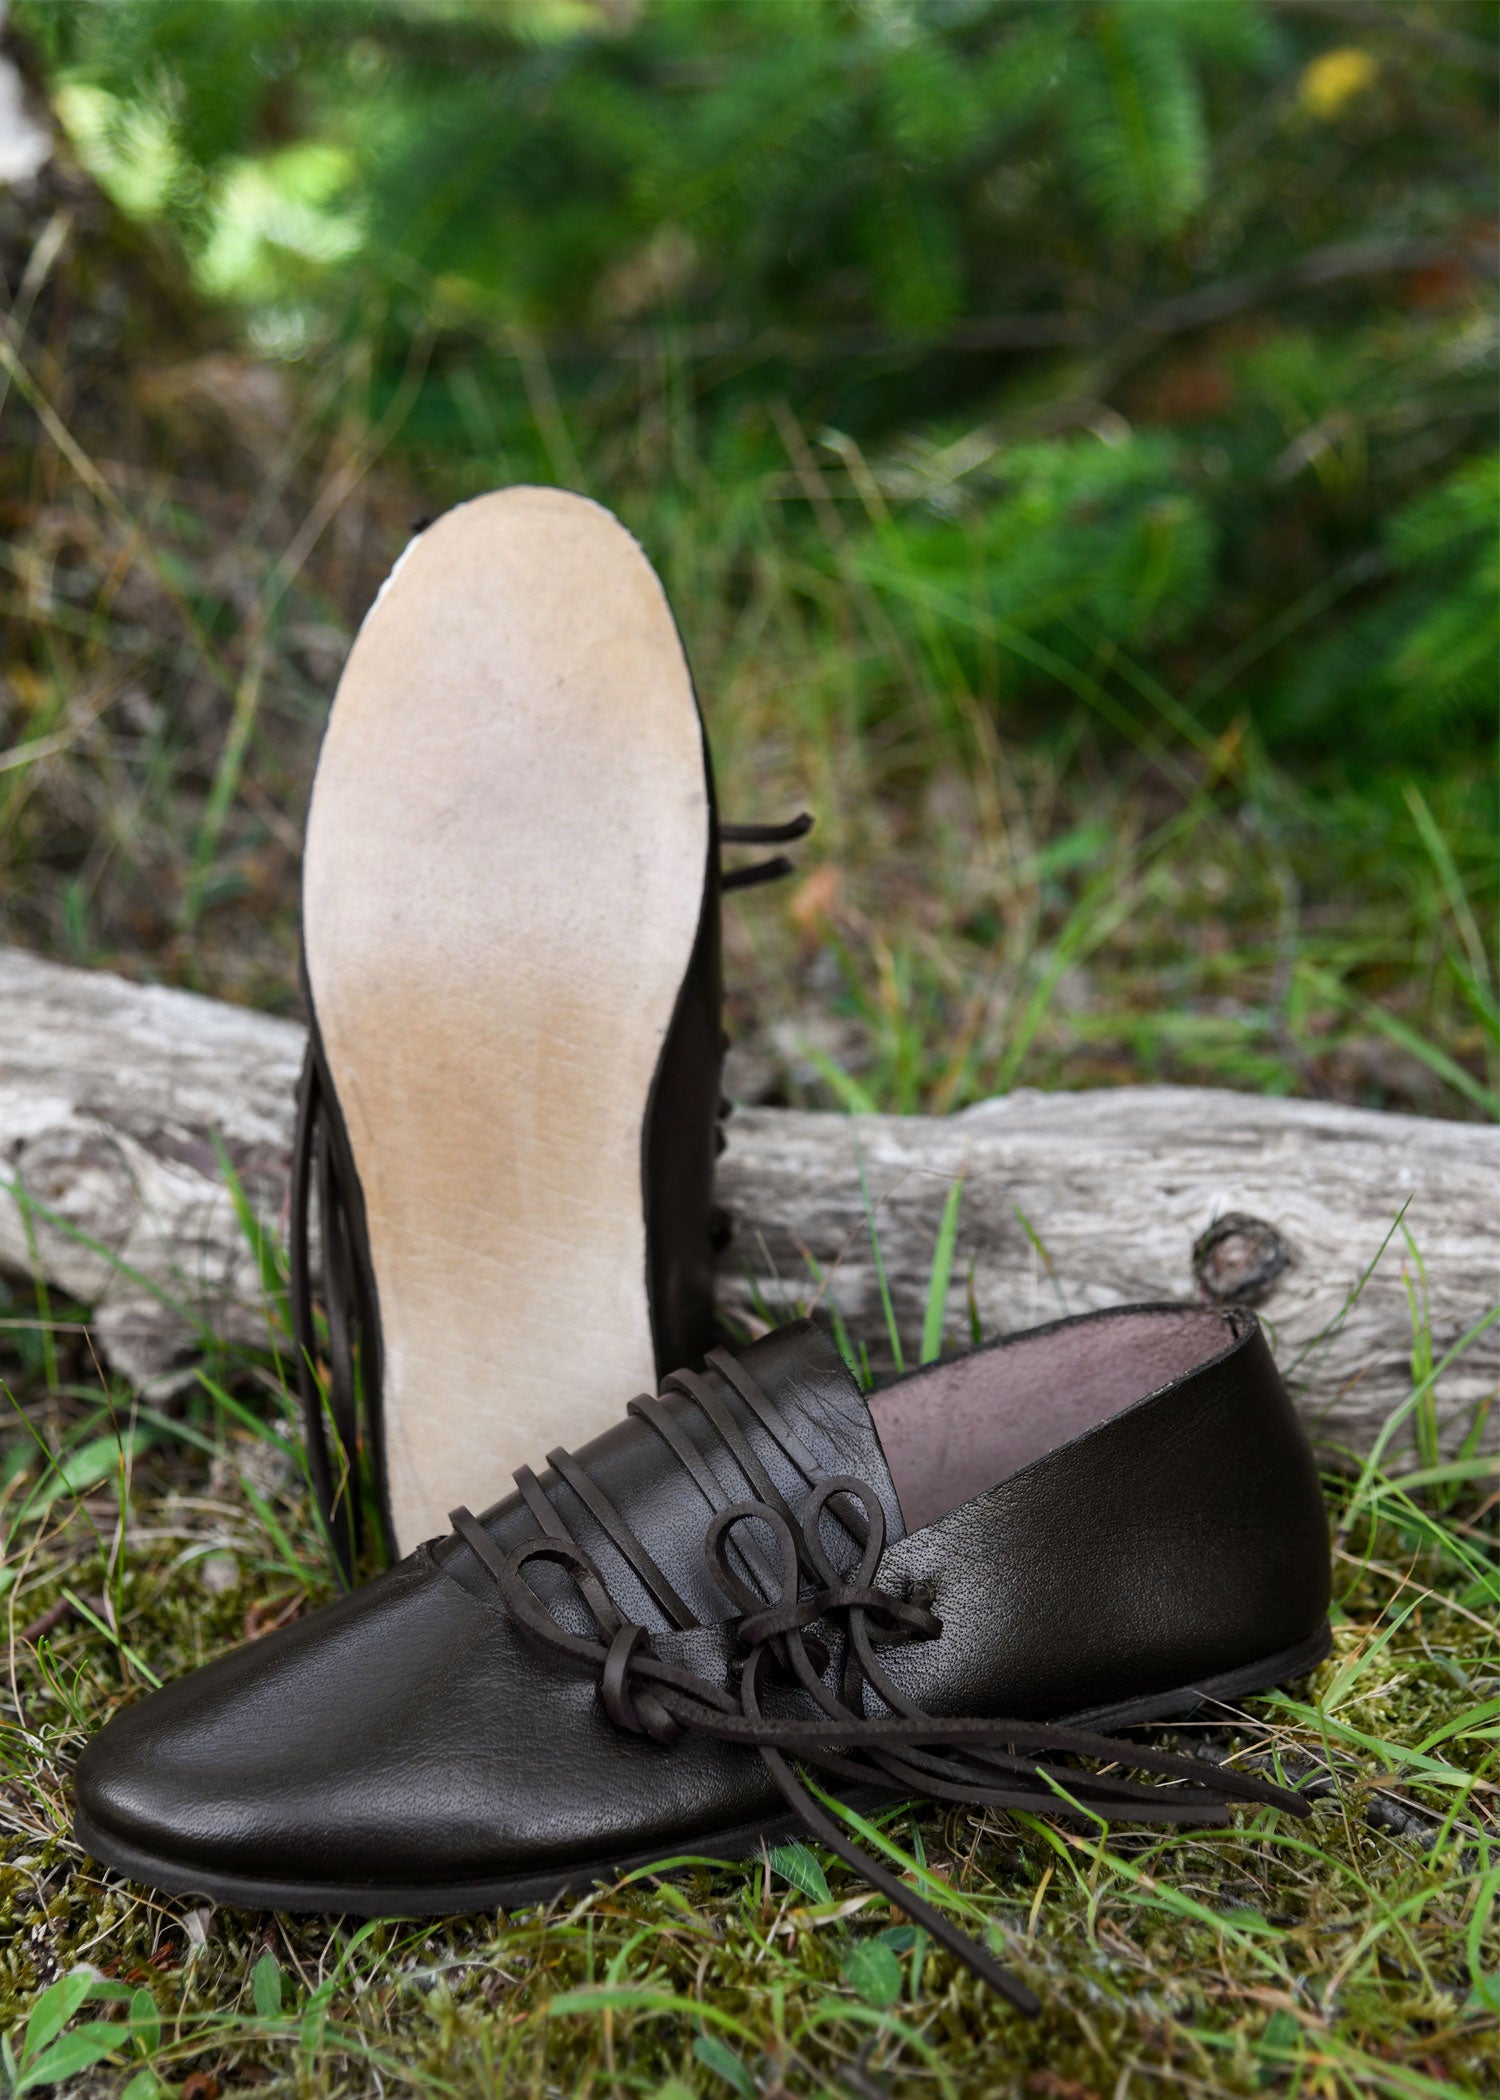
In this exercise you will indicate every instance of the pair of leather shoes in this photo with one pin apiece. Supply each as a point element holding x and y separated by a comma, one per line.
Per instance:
<point>959,1586</point>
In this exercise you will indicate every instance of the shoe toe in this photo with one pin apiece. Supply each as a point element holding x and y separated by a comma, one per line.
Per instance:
<point>402,1750</point>
<point>293,1761</point>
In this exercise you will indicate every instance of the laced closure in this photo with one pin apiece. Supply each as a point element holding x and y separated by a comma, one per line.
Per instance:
<point>795,1609</point>
<point>762,835</point>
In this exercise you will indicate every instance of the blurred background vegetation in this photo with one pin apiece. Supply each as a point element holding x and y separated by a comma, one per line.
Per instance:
<point>1067,432</point>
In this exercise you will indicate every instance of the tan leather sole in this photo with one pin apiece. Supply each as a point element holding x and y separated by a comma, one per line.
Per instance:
<point>504,873</point>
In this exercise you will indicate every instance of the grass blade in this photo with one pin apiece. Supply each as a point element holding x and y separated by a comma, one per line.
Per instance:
<point>941,1276</point>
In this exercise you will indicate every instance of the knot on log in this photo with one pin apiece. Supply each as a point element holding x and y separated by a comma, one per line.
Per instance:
<point>1239,1258</point>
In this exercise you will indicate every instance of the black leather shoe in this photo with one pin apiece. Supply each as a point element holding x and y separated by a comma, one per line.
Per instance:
<point>950,1591</point>
<point>510,927</point>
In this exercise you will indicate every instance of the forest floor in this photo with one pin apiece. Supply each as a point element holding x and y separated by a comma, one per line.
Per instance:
<point>1357,1953</point>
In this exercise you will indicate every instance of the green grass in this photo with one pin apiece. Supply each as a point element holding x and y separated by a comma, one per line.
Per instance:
<point>1358,1953</point>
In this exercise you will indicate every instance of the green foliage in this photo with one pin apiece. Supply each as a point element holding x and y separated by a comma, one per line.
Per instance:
<point>1153,329</point>
<point>1423,662</point>
<point>266,1987</point>
<point>1135,118</point>
<point>1071,539</point>
<point>798,1864</point>
<point>50,2056</point>
<point>871,1969</point>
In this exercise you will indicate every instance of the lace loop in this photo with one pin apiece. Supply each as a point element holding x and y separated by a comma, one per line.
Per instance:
<point>715,1551</point>
<point>871,1523</point>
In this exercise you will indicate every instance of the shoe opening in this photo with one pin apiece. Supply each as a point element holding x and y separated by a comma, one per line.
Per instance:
<point>956,1428</point>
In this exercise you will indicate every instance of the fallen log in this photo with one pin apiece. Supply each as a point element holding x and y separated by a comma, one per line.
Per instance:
<point>121,1105</point>
<point>1331,1221</point>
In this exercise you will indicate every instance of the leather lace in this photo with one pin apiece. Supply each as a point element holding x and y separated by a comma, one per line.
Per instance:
<point>795,1607</point>
<point>318,1167</point>
<point>761,835</point>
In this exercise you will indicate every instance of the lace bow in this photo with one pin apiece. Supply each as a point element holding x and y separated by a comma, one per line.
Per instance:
<point>789,1637</point>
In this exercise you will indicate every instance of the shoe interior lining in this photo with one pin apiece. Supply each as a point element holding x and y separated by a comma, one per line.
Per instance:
<point>955,1429</point>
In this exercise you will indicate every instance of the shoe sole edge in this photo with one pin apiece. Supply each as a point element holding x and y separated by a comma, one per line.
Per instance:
<point>725,1847</point>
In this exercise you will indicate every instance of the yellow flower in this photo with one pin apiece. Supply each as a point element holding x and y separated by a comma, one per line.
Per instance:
<point>1333,80</point>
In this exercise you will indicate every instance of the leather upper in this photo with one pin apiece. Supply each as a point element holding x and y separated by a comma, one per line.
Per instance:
<point>413,1733</point>
<point>1178,1539</point>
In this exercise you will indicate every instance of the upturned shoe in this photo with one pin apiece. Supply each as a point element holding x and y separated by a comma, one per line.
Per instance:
<point>510,926</point>
<point>954,1590</point>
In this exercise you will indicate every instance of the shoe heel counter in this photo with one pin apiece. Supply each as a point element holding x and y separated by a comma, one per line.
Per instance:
<point>1278,1457</point>
<point>680,1139</point>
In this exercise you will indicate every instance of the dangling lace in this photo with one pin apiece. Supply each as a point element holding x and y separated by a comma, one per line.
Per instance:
<point>762,835</point>
<point>350,1318</point>
<point>795,1588</point>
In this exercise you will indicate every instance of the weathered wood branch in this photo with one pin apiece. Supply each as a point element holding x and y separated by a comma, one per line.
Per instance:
<point>1123,1195</point>
<point>119,1104</point>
